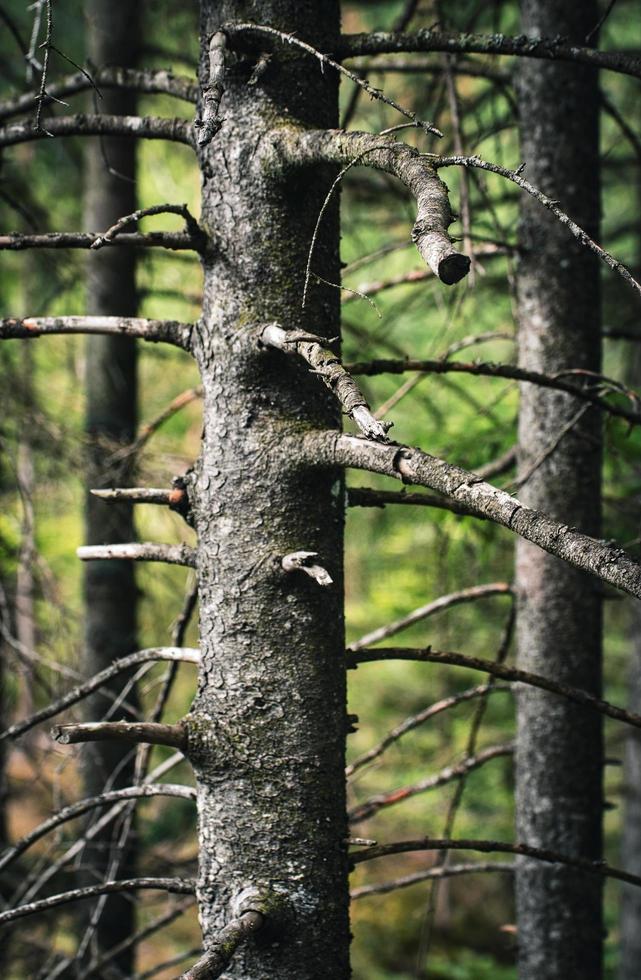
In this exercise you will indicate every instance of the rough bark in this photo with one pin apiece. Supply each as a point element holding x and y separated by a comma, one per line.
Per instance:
<point>111,422</point>
<point>267,728</point>
<point>559,749</point>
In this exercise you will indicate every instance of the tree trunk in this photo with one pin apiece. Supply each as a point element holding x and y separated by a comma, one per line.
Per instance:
<point>559,755</point>
<point>267,728</point>
<point>111,421</point>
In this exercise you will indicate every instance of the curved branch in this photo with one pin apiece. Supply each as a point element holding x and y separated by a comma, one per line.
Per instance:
<point>153,654</point>
<point>423,612</point>
<point>443,871</point>
<point>415,170</point>
<point>178,886</point>
<point>154,331</point>
<point>419,719</point>
<point>459,771</point>
<point>174,240</point>
<point>149,732</point>
<point>192,227</point>
<point>171,554</point>
<point>490,370</point>
<point>548,49</point>
<point>497,670</point>
<point>600,558</point>
<point>81,124</point>
<point>218,957</point>
<point>83,806</point>
<point>152,81</point>
<point>494,846</point>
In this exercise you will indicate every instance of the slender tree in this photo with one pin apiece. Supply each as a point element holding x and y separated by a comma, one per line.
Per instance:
<point>559,750</point>
<point>113,39</point>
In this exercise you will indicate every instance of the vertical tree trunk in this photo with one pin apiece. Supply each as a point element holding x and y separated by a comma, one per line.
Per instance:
<point>631,841</point>
<point>559,756</point>
<point>109,586</point>
<point>267,728</point>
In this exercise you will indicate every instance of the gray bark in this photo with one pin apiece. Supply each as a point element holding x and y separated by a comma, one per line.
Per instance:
<point>267,729</point>
<point>111,420</point>
<point>559,749</point>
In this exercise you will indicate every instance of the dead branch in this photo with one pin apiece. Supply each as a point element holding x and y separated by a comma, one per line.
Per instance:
<point>328,366</point>
<point>209,122</point>
<point>173,240</point>
<point>575,230</point>
<point>371,806</point>
<point>490,370</point>
<point>301,561</point>
<point>448,871</point>
<point>419,719</point>
<point>151,655</point>
<point>177,886</point>
<point>514,674</point>
<point>75,810</point>
<point>549,49</point>
<point>194,230</point>
<point>492,846</point>
<point>138,127</point>
<point>414,169</point>
<point>600,558</point>
<point>218,957</point>
<point>154,331</point>
<point>137,495</point>
<point>96,968</point>
<point>151,733</point>
<point>471,594</point>
<point>151,81</point>
<point>171,554</point>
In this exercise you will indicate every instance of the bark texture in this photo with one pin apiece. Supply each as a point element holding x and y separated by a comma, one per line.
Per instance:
<point>111,421</point>
<point>267,729</point>
<point>559,753</point>
<point>631,839</point>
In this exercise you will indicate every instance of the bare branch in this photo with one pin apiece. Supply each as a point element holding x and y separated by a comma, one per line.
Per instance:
<point>472,594</point>
<point>194,230</point>
<point>178,886</point>
<point>548,49</point>
<point>137,495</point>
<point>575,230</point>
<point>492,846</point>
<point>154,331</point>
<point>153,654</point>
<point>419,719</point>
<point>300,561</point>
<point>448,871</point>
<point>367,497</point>
<point>490,370</point>
<point>138,127</point>
<point>96,967</point>
<point>76,810</point>
<point>174,240</point>
<point>240,34</point>
<point>415,170</point>
<point>428,655</point>
<point>375,803</point>
<point>171,554</point>
<point>600,558</point>
<point>209,122</point>
<point>152,733</point>
<point>219,955</point>
<point>152,81</point>
<point>328,366</point>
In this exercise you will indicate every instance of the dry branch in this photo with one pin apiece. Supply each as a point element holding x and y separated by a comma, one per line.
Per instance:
<point>428,655</point>
<point>178,886</point>
<point>301,561</point>
<point>415,170</point>
<point>171,554</point>
<point>600,558</point>
<point>209,122</point>
<point>192,227</point>
<point>447,871</point>
<point>138,127</point>
<point>327,365</point>
<point>151,733</point>
<point>155,331</point>
<point>218,957</point>
<point>174,240</point>
<point>137,495</point>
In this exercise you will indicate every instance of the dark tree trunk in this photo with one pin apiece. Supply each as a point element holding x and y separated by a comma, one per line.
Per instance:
<point>267,728</point>
<point>110,587</point>
<point>631,841</point>
<point>559,756</point>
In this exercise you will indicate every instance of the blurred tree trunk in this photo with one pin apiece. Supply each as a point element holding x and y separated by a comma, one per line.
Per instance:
<point>559,755</point>
<point>113,38</point>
